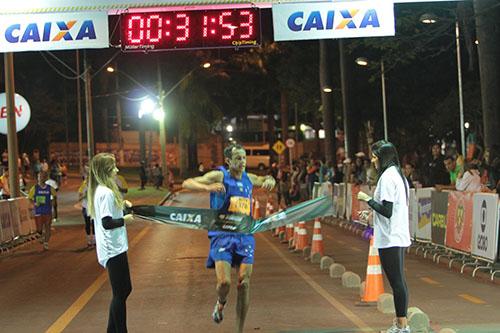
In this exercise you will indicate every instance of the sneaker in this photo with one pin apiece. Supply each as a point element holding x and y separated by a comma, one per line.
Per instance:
<point>217,315</point>
<point>396,329</point>
<point>45,246</point>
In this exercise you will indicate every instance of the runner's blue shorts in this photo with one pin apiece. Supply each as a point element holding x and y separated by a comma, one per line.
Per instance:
<point>234,248</point>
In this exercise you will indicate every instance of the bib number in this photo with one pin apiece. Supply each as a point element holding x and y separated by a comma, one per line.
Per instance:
<point>239,205</point>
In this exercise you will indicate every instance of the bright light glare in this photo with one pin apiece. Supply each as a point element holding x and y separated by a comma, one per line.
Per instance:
<point>428,19</point>
<point>362,61</point>
<point>229,128</point>
<point>327,89</point>
<point>476,42</point>
<point>147,107</point>
<point>207,65</point>
<point>110,69</point>
<point>303,127</point>
<point>466,125</point>
<point>158,114</point>
<point>321,133</point>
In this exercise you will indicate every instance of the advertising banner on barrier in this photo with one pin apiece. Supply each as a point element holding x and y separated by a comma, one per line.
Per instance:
<point>348,201</point>
<point>485,226</point>
<point>413,213</point>
<point>459,221</point>
<point>6,221</point>
<point>14,213</point>
<point>438,217</point>
<point>335,197</point>
<point>333,19</point>
<point>26,217</point>
<point>424,211</point>
<point>341,201</point>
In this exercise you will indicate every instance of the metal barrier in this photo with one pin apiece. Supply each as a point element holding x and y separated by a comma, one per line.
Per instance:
<point>17,223</point>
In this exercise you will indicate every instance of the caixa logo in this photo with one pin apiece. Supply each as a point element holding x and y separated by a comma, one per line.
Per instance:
<point>50,31</point>
<point>333,20</point>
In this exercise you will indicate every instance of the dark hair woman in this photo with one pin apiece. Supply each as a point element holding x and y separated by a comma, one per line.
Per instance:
<point>391,225</point>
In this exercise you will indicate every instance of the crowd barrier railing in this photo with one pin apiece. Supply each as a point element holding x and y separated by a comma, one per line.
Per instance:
<point>460,226</point>
<point>17,224</point>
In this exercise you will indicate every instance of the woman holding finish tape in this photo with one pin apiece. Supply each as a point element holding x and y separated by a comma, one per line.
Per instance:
<point>105,205</point>
<point>391,225</point>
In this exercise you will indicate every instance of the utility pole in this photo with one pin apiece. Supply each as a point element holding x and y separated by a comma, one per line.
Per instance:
<point>11,126</point>
<point>161,123</point>
<point>79,113</point>
<point>345,97</point>
<point>88,105</point>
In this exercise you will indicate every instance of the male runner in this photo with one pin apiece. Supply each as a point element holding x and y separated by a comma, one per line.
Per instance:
<point>231,192</point>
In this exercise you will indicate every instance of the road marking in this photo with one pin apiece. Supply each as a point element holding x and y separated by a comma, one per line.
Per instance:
<point>65,319</point>
<point>354,248</point>
<point>321,291</point>
<point>472,299</point>
<point>429,280</point>
<point>340,242</point>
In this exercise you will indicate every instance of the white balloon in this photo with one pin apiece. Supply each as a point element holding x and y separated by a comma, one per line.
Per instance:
<point>22,110</point>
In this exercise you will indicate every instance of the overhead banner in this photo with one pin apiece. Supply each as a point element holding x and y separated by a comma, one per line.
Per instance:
<point>45,32</point>
<point>327,20</point>
<point>485,226</point>
<point>459,225</point>
<point>52,6</point>
<point>424,211</point>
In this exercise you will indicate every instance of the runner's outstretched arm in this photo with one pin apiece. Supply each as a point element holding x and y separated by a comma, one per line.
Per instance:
<point>210,182</point>
<point>266,182</point>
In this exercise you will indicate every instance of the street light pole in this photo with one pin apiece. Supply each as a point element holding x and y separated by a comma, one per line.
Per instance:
<point>79,113</point>
<point>119,119</point>
<point>384,102</point>
<point>161,123</point>
<point>11,126</point>
<point>460,92</point>
<point>88,105</point>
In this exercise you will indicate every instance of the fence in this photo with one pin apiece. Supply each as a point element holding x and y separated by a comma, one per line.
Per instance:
<point>16,221</point>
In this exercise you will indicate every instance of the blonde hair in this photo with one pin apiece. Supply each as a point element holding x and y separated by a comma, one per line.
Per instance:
<point>101,173</point>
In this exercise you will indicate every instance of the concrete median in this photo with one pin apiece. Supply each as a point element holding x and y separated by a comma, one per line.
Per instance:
<point>351,280</point>
<point>336,271</point>
<point>325,263</point>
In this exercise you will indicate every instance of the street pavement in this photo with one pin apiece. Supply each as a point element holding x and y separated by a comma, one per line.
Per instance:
<point>64,289</point>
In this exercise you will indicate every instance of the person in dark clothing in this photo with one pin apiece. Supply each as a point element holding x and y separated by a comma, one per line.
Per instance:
<point>435,171</point>
<point>143,175</point>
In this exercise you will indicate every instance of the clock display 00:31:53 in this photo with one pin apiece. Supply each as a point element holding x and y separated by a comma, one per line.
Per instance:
<point>190,29</point>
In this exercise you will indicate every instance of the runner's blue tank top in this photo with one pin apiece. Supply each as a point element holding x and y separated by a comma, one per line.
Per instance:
<point>236,199</point>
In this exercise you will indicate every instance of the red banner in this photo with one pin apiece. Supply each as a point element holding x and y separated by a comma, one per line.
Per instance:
<point>355,202</point>
<point>459,223</point>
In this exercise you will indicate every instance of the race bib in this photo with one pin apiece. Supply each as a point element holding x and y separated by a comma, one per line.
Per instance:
<point>239,205</point>
<point>40,200</point>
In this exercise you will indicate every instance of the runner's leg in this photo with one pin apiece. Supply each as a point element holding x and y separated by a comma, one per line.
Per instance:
<point>243,302</point>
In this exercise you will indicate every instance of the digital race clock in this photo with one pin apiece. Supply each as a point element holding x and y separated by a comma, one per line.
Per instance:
<point>190,29</point>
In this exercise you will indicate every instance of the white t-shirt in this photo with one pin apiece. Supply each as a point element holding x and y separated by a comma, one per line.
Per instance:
<point>470,182</point>
<point>109,243</point>
<point>396,230</point>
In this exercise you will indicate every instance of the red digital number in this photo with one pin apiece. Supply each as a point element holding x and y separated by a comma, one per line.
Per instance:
<point>183,28</point>
<point>208,26</point>
<point>248,24</point>
<point>135,24</point>
<point>158,32</point>
<point>229,26</point>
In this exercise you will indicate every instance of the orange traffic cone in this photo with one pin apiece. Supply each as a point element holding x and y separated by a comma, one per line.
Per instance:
<point>374,284</point>
<point>289,231</point>
<point>317,239</point>
<point>256,209</point>
<point>302,240</point>
<point>293,243</point>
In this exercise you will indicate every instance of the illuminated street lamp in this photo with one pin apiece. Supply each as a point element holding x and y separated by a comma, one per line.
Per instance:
<point>327,89</point>
<point>361,61</point>
<point>229,128</point>
<point>430,19</point>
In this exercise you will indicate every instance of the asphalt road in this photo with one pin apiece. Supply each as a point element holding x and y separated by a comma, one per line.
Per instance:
<point>64,289</point>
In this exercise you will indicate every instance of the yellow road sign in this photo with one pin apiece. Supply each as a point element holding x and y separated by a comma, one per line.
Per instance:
<point>279,147</point>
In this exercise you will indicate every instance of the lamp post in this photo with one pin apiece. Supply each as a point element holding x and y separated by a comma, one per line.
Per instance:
<point>431,19</point>
<point>364,62</point>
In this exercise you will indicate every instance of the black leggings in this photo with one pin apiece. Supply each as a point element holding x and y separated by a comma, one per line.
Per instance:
<point>119,277</point>
<point>392,260</point>
<point>89,224</point>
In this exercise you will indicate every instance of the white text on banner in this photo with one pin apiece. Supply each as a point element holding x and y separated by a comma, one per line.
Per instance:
<point>326,20</point>
<point>485,226</point>
<point>64,31</point>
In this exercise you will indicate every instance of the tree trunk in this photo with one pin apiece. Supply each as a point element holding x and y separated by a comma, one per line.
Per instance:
<point>182,156</point>
<point>488,34</point>
<point>325,80</point>
<point>284,122</point>
<point>350,133</point>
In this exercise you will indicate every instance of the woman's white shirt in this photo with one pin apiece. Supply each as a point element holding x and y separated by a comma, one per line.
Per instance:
<point>393,231</point>
<point>470,182</point>
<point>109,243</point>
